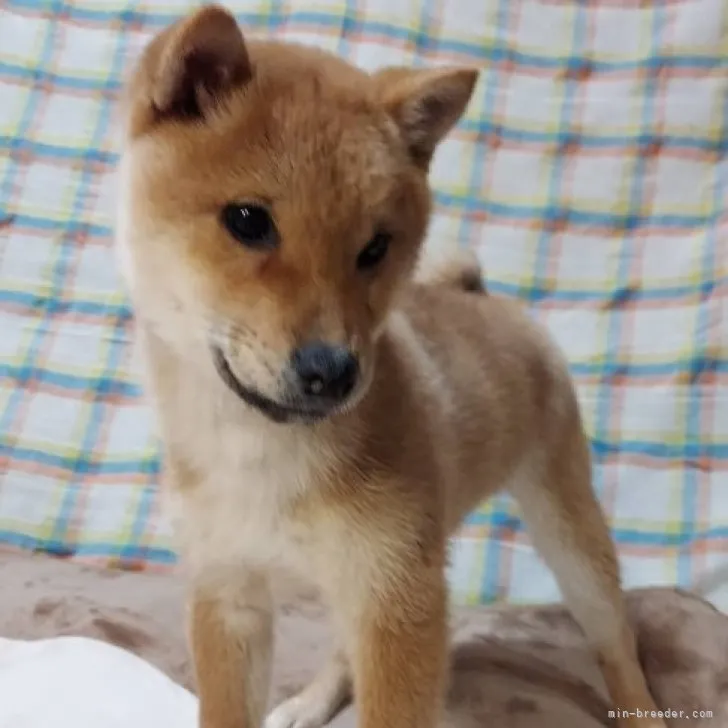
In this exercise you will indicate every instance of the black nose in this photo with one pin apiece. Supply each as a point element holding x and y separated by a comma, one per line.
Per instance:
<point>328,372</point>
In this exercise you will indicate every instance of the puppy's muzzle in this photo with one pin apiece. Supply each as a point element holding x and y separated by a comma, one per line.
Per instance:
<point>319,378</point>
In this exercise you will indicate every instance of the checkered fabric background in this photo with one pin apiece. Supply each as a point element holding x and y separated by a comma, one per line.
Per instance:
<point>590,174</point>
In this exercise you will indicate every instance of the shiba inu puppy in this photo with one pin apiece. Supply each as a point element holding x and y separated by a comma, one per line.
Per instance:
<point>320,410</point>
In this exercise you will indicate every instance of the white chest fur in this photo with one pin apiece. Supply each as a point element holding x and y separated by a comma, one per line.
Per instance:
<point>240,512</point>
<point>249,473</point>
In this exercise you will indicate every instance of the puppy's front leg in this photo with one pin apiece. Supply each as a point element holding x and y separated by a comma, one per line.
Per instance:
<point>399,654</point>
<point>232,639</point>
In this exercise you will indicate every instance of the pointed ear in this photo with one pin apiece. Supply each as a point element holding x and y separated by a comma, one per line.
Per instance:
<point>425,104</point>
<point>189,67</point>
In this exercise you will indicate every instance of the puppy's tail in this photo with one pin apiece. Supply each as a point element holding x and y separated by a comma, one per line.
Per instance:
<point>452,268</point>
<point>709,583</point>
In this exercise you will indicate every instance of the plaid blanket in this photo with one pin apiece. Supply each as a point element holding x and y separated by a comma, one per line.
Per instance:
<point>590,174</point>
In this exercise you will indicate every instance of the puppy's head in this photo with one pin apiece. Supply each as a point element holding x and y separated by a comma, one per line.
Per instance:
<point>274,198</point>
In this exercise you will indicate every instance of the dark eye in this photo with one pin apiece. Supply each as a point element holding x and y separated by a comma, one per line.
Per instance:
<point>374,251</point>
<point>250,224</point>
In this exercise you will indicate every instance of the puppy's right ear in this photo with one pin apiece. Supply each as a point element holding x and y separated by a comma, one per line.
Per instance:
<point>188,69</point>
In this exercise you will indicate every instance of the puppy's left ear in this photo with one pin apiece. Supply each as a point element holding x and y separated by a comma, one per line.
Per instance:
<point>425,104</point>
<point>189,68</point>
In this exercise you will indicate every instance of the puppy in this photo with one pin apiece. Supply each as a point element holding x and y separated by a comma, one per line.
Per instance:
<point>320,410</point>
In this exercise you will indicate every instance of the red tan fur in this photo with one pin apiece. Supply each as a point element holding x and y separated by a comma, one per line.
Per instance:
<point>458,394</point>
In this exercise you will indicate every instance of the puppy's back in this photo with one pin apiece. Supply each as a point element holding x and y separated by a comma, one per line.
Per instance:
<point>489,378</point>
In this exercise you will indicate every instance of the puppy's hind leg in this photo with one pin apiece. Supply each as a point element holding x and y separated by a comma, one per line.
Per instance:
<point>319,702</point>
<point>568,529</point>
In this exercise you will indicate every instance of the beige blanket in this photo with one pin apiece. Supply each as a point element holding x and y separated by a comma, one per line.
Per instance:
<point>512,667</point>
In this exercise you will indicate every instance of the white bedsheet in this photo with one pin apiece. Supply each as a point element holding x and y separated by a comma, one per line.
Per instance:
<point>76,682</point>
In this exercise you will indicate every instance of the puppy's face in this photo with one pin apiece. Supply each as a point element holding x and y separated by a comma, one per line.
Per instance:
<point>274,199</point>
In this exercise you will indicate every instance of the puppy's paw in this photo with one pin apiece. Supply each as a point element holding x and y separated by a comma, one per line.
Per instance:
<point>300,711</point>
